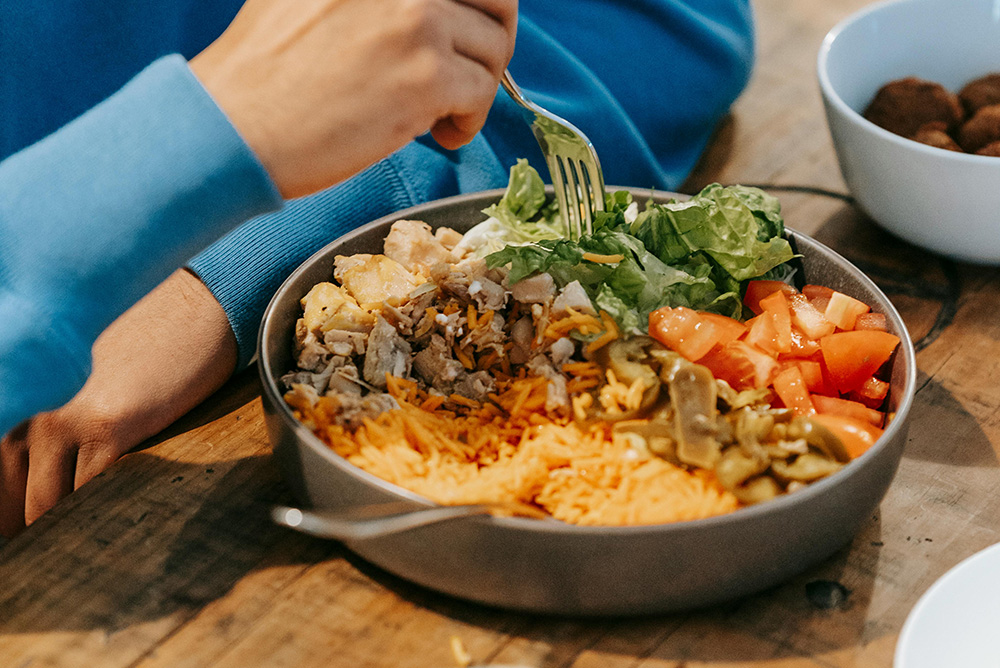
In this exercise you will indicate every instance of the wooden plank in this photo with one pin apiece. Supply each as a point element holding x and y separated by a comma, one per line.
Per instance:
<point>168,559</point>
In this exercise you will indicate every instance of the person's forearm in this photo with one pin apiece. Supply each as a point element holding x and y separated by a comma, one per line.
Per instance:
<point>97,214</point>
<point>157,361</point>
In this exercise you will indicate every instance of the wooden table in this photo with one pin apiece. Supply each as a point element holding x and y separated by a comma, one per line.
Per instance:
<point>168,559</point>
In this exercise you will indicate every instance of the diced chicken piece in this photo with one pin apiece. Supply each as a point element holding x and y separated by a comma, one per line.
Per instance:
<point>534,290</point>
<point>399,318</point>
<point>561,351</point>
<point>419,300</point>
<point>387,353</point>
<point>345,379</point>
<point>310,353</point>
<point>435,364</point>
<point>448,237</point>
<point>345,343</point>
<point>353,409</point>
<point>556,395</point>
<point>300,394</point>
<point>451,326</point>
<point>521,334</point>
<point>374,279</point>
<point>343,263</point>
<point>487,294</point>
<point>573,296</point>
<point>490,335</point>
<point>473,267</point>
<point>413,245</point>
<point>474,385</point>
<point>329,306</point>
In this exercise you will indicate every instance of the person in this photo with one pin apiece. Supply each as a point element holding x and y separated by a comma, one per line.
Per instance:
<point>648,82</point>
<point>291,98</point>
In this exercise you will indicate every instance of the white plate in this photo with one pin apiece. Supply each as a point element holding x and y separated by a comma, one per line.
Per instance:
<point>957,621</point>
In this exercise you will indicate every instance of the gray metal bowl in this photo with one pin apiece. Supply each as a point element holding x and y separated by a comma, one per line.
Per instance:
<point>572,570</point>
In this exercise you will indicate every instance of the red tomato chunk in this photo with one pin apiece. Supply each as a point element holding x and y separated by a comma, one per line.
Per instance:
<point>819,350</point>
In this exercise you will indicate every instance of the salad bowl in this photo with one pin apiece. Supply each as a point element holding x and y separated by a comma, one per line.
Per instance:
<point>554,568</point>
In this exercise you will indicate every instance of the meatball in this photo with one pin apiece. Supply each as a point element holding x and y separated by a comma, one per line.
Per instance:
<point>981,129</point>
<point>935,134</point>
<point>902,106</point>
<point>991,149</point>
<point>979,93</point>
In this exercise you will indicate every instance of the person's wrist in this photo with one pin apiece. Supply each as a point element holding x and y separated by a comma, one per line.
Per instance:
<point>210,69</point>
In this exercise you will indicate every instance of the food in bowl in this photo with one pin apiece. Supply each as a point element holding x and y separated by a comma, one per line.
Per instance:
<point>927,112</point>
<point>614,380</point>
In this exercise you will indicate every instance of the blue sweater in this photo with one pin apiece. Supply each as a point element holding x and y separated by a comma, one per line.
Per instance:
<point>117,167</point>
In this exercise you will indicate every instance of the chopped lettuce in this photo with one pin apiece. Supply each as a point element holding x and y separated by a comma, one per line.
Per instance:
<point>523,215</point>
<point>697,253</point>
<point>630,289</point>
<point>740,228</point>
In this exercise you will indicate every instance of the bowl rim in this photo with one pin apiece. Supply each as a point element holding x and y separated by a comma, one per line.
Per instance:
<point>773,506</point>
<point>829,93</point>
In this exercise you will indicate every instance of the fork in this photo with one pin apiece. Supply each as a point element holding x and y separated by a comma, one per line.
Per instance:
<point>572,160</point>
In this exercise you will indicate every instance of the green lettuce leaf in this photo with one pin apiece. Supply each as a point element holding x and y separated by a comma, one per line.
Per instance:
<point>697,253</point>
<point>523,215</point>
<point>524,198</point>
<point>629,290</point>
<point>739,228</point>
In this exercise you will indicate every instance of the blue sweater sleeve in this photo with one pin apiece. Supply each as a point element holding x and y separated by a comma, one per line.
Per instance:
<point>98,213</point>
<point>646,80</point>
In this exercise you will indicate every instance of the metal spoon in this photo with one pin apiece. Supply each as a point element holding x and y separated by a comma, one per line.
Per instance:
<point>383,519</point>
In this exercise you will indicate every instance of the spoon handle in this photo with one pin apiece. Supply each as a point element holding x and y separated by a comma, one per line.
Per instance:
<point>348,526</point>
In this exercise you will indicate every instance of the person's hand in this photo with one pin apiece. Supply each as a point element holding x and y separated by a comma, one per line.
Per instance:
<point>161,358</point>
<point>321,89</point>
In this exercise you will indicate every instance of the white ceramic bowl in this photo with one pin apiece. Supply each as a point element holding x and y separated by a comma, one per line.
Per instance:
<point>945,201</point>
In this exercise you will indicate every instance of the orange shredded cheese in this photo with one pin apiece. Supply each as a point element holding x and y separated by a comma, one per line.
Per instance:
<point>512,450</point>
<point>603,259</point>
<point>610,333</point>
<point>460,355</point>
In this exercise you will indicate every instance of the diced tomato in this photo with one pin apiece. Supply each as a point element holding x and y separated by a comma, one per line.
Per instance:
<point>856,435</point>
<point>801,346</point>
<point>791,388</point>
<point>763,333</point>
<point>853,357</point>
<point>729,329</point>
<point>874,321</point>
<point>821,303</point>
<point>872,393</point>
<point>741,365</point>
<point>812,374</point>
<point>853,409</point>
<point>776,304</point>
<point>829,388</point>
<point>757,290</point>
<point>808,318</point>
<point>843,311</point>
<point>683,330</point>
<point>813,291</point>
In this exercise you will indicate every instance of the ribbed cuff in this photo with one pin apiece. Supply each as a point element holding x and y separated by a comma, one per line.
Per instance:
<point>245,268</point>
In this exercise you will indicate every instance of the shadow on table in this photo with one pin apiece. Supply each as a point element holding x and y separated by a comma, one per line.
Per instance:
<point>794,619</point>
<point>155,558</point>
<point>159,539</point>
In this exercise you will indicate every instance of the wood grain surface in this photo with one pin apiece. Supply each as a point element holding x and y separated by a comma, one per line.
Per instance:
<point>168,559</point>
